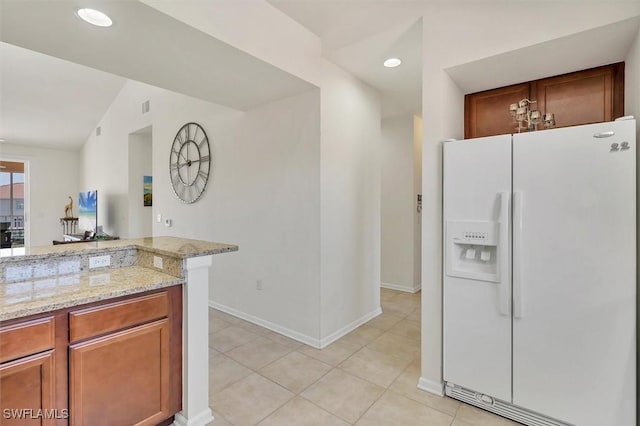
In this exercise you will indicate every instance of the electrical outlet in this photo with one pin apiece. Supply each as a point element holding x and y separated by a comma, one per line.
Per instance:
<point>157,262</point>
<point>167,223</point>
<point>159,218</point>
<point>99,261</point>
<point>259,285</point>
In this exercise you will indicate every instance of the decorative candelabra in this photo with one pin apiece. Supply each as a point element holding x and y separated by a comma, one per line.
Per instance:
<point>528,118</point>
<point>69,225</point>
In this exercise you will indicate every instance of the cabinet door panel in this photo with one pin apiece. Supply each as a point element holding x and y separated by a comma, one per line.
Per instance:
<point>578,98</point>
<point>590,96</point>
<point>26,391</point>
<point>487,113</point>
<point>128,370</point>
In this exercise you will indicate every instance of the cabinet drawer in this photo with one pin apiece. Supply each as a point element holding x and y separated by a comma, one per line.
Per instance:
<point>26,338</point>
<point>90,322</point>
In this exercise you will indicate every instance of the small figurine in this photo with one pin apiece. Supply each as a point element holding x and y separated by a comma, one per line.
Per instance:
<point>68,209</point>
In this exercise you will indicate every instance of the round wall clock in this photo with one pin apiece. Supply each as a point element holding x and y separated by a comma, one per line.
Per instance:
<point>189,162</point>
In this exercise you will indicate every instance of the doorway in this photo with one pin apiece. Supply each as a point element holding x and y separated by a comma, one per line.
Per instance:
<point>12,204</point>
<point>140,198</point>
<point>401,203</point>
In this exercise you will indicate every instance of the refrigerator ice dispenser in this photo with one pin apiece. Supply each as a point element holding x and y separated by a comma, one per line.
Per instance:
<point>473,247</point>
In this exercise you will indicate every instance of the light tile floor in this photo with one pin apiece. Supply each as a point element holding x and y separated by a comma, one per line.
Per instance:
<point>368,377</point>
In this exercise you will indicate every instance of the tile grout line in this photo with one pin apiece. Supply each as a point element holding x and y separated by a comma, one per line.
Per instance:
<point>256,330</point>
<point>369,407</point>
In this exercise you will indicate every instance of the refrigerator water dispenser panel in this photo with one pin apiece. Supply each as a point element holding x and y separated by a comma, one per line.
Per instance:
<point>473,250</point>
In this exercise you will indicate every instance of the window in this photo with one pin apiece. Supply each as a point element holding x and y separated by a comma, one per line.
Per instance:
<point>12,202</point>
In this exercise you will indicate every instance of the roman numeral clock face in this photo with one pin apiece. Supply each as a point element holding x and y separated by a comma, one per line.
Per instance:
<point>189,163</point>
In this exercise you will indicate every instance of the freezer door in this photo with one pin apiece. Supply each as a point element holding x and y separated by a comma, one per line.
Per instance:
<point>574,264</point>
<point>476,284</point>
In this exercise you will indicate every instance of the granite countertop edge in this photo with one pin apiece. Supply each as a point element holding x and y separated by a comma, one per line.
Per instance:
<point>185,248</point>
<point>228,248</point>
<point>23,298</point>
<point>22,309</point>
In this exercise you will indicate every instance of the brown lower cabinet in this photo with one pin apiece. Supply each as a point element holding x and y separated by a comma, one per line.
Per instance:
<point>26,391</point>
<point>122,377</point>
<point>109,363</point>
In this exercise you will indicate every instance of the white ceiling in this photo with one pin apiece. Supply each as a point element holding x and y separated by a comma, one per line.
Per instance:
<point>599,46</point>
<point>359,35</point>
<point>143,44</point>
<point>401,87</point>
<point>50,102</point>
<point>149,46</point>
<point>152,47</point>
<point>343,22</point>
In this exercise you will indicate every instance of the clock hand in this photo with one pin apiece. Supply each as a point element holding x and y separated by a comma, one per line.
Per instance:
<point>188,163</point>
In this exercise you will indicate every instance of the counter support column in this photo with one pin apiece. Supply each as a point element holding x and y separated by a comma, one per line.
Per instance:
<point>195,344</point>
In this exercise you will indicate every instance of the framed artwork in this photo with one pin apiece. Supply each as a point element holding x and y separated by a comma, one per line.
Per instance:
<point>88,211</point>
<point>147,190</point>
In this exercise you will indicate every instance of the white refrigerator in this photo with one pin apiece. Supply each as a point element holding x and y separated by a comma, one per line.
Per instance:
<point>539,289</point>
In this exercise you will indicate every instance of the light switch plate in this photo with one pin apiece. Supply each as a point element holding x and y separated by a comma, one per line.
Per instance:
<point>157,262</point>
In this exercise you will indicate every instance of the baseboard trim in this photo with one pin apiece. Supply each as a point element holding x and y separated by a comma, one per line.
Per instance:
<point>398,287</point>
<point>202,419</point>
<point>349,327</point>
<point>302,338</point>
<point>431,386</point>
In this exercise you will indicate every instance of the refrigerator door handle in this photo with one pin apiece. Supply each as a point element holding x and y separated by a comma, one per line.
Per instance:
<point>518,304</point>
<point>604,134</point>
<point>504,257</point>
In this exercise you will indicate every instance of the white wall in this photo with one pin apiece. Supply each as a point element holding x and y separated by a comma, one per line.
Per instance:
<point>140,165</point>
<point>350,202</point>
<point>262,194</point>
<point>52,178</point>
<point>349,176</point>
<point>632,80</point>
<point>350,117</point>
<point>442,107</point>
<point>105,158</point>
<point>399,218</point>
<point>265,197</point>
<point>417,189</point>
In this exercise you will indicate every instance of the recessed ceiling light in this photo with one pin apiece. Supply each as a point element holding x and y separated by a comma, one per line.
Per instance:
<point>94,17</point>
<point>392,62</point>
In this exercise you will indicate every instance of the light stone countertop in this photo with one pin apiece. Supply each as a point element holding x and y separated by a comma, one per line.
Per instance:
<point>24,298</point>
<point>168,246</point>
<point>47,278</point>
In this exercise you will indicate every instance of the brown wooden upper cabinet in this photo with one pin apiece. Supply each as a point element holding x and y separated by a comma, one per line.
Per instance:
<point>583,97</point>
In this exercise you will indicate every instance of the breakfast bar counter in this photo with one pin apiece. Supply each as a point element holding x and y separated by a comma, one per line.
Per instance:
<point>90,313</point>
<point>46,278</point>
